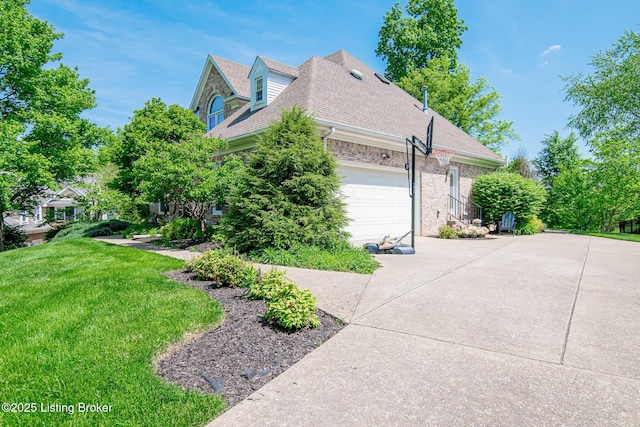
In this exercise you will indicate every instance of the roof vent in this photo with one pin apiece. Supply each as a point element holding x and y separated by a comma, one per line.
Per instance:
<point>382,78</point>
<point>355,73</point>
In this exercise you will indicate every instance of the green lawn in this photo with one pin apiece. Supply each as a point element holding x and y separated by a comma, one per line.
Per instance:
<point>618,236</point>
<point>81,323</point>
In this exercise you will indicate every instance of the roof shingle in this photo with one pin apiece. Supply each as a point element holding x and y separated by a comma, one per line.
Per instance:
<point>326,90</point>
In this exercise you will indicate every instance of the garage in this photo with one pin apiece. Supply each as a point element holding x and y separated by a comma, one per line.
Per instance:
<point>378,202</point>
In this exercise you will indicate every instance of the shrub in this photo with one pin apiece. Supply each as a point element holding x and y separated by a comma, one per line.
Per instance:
<point>54,230</point>
<point>533,226</point>
<point>117,224</point>
<point>140,228</point>
<point>268,286</point>
<point>448,232</point>
<point>224,268</point>
<point>498,193</point>
<point>14,237</point>
<point>293,308</point>
<point>101,230</point>
<point>183,228</point>
<point>341,256</point>
<point>289,191</point>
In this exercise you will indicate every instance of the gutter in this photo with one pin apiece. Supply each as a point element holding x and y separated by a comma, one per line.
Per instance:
<point>324,138</point>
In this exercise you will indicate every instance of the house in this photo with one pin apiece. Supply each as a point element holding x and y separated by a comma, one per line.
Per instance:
<point>62,205</point>
<point>364,120</point>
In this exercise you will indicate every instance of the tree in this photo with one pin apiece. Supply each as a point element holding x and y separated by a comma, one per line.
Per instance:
<point>473,107</point>
<point>431,30</point>
<point>610,97</point>
<point>152,128</point>
<point>183,173</point>
<point>289,192</point>
<point>609,120</point>
<point>43,139</point>
<point>521,165</point>
<point>557,154</point>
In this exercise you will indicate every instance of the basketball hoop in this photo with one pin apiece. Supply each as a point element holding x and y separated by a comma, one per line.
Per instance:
<point>443,156</point>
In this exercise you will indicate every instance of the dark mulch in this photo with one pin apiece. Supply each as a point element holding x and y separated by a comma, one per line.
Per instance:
<point>244,352</point>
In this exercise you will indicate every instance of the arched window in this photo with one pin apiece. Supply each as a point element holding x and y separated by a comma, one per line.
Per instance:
<point>216,113</point>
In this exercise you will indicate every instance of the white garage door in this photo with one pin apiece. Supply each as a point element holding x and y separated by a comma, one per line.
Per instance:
<point>378,202</point>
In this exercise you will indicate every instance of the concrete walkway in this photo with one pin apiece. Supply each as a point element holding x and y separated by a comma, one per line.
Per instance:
<point>511,331</point>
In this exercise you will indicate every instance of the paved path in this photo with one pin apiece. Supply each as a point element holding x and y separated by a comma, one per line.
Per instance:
<point>513,331</point>
<point>510,331</point>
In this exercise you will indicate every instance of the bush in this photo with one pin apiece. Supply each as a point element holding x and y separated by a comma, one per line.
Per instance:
<point>14,237</point>
<point>341,256</point>
<point>448,232</point>
<point>98,231</point>
<point>288,193</point>
<point>117,224</point>
<point>183,228</point>
<point>54,230</point>
<point>224,268</point>
<point>498,193</point>
<point>269,285</point>
<point>140,228</point>
<point>293,308</point>
<point>533,226</point>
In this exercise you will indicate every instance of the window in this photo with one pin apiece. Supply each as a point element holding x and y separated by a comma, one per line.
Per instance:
<point>24,219</point>
<point>163,209</point>
<point>454,190</point>
<point>216,113</point>
<point>259,89</point>
<point>37,214</point>
<point>215,210</point>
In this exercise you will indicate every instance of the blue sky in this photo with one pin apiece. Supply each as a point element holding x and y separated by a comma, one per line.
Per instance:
<point>132,51</point>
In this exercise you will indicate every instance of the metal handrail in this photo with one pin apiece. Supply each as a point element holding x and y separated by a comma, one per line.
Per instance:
<point>465,210</point>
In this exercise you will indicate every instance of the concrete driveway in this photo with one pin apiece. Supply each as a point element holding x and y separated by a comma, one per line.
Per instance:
<point>511,331</point>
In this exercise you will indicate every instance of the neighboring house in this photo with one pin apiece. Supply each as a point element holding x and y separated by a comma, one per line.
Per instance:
<point>58,206</point>
<point>363,120</point>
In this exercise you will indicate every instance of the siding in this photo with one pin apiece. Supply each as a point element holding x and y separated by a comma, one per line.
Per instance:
<point>276,83</point>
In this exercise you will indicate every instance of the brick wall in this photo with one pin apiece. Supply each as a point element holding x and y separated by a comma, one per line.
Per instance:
<point>216,85</point>
<point>433,181</point>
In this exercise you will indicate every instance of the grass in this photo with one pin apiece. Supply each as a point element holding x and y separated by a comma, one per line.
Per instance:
<point>341,258</point>
<point>618,236</point>
<point>83,321</point>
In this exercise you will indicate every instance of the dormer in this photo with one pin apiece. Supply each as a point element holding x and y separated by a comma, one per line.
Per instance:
<point>268,79</point>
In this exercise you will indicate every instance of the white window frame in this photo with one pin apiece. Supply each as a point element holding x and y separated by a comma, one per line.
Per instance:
<point>215,210</point>
<point>23,218</point>
<point>454,188</point>
<point>214,114</point>
<point>161,212</point>
<point>37,214</point>
<point>259,89</point>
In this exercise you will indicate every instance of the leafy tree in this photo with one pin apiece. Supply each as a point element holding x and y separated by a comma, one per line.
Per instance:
<point>289,191</point>
<point>609,120</point>
<point>184,173</point>
<point>43,139</point>
<point>473,107</point>
<point>500,192</point>
<point>557,154</point>
<point>521,165</point>
<point>610,97</point>
<point>431,30</point>
<point>151,128</point>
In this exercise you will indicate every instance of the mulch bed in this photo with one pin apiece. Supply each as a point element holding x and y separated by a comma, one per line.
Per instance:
<point>244,352</point>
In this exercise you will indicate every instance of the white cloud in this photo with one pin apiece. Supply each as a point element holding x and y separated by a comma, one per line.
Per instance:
<point>551,49</point>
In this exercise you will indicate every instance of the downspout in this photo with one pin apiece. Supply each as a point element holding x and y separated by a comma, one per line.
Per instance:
<point>324,138</point>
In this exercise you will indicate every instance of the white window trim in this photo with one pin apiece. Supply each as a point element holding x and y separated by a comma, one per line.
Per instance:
<point>261,91</point>
<point>37,214</point>
<point>23,218</point>
<point>215,113</point>
<point>454,180</point>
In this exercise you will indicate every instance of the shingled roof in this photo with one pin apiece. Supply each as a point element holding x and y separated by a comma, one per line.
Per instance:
<point>236,74</point>
<point>327,90</point>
